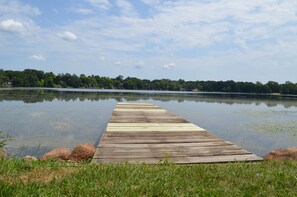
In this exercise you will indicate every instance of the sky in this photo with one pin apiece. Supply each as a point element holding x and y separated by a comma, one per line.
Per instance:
<point>240,40</point>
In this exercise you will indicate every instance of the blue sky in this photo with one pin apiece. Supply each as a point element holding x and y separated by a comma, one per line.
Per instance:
<point>193,40</point>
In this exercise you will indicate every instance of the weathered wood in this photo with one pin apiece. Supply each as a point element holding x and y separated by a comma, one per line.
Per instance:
<point>143,114</point>
<point>168,154</point>
<point>158,137</point>
<point>147,120</point>
<point>151,125</point>
<point>160,134</point>
<point>183,149</point>
<point>145,129</point>
<point>159,117</point>
<point>141,104</point>
<point>137,107</point>
<point>168,145</point>
<point>184,160</point>
<point>140,110</point>
<point>142,132</point>
<point>156,141</point>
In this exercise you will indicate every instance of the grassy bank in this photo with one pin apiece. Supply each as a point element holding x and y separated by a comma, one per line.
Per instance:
<point>50,178</point>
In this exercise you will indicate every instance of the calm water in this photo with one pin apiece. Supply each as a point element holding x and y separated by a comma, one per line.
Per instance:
<point>42,119</point>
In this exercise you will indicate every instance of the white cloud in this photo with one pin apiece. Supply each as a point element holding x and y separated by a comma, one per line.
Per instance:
<point>84,11</point>
<point>139,65</point>
<point>212,33</point>
<point>102,4</point>
<point>11,25</point>
<point>38,57</point>
<point>191,24</point>
<point>102,58</point>
<point>169,66</point>
<point>17,16</point>
<point>151,2</point>
<point>68,36</point>
<point>126,8</point>
<point>117,62</point>
<point>17,8</point>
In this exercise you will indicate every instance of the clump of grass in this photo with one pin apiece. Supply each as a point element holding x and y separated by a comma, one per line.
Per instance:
<point>165,179</point>
<point>3,139</point>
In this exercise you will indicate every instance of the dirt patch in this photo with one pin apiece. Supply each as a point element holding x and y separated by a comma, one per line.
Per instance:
<point>44,175</point>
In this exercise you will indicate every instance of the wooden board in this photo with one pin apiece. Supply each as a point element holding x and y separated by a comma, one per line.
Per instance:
<point>163,154</point>
<point>166,145</point>
<point>145,133</point>
<point>160,134</point>
<point>147,120</point>
<point>150,125</point>
<point>183,159</point>
<point>142,114</point>
<point>133,104</point>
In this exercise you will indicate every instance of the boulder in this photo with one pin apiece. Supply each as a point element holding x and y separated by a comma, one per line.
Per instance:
<point>61,153</point>
<point>282,154</point>
<point>30,158</point>
<point>3,153</point>
<point>82,152</point>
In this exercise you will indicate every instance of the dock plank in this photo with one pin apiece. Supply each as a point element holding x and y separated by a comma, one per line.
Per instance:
<point>170,154</point>
<point>146,133</point>
<point>160,134</point>
<point>147,120</point>
<point>184,160</point>
<point>168,145</point>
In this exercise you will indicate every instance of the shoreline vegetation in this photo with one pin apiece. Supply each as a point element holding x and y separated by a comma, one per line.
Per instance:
<point>37,78</point>
<point>20,177</point>
<point>56,174</point>
<point>275,176</point>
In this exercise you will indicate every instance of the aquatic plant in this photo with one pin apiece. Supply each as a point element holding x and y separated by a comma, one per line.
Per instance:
<point>3,139</point>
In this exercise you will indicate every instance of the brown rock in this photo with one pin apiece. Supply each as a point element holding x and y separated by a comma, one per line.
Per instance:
<point>282,154</point>
<point>82,152</point>
<point>3,153</point>
<point>30,158</point>
<point>61,153</point>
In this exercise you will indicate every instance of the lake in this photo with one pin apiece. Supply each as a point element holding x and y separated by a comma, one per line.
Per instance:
<point>41,119</point>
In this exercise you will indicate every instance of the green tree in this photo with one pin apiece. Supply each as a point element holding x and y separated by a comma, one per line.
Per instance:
<point>49,80</point>
<point>289,88</point>
<point>273,87</point>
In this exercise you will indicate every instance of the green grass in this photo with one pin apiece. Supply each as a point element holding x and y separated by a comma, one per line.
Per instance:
<point>50,178</point>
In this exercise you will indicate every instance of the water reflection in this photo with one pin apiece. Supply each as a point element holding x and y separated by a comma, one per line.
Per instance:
<point>42,95</point>
<point>41,119</point>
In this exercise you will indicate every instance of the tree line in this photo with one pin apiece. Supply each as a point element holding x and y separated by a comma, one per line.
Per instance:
<point>42,95</point>
<point>37,78</point>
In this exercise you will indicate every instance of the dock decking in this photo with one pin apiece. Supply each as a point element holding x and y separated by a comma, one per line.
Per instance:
<point>145,133</point>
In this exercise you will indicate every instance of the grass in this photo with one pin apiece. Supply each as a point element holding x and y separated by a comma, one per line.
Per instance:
<point>3,139</point>
<point>51,178</point>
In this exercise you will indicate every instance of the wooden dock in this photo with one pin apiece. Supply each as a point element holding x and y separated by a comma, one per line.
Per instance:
<point>145,133</point>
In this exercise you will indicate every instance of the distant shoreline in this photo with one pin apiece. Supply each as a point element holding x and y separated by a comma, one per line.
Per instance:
<point>38,78</point>
<point>145,91</point>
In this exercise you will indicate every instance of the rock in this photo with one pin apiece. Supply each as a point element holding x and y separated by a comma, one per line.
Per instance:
<point>30,158</point>
<point>82,152</point>
<point>61,153</point>
<point>3,153</point>
<point>282,154</point>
